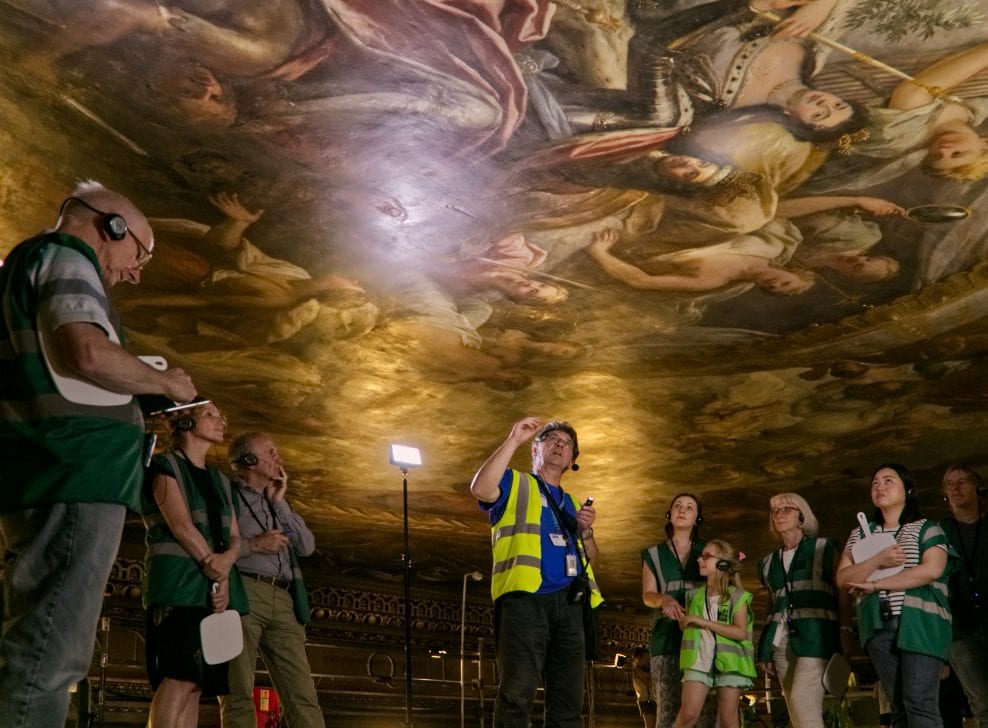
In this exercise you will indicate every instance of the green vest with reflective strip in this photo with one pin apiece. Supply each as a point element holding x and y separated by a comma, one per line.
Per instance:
<point>171,576</point>
<point>673,580</point>
<point>925,621</point>
<point>54,450</point>
<point>729,656</point>
<point>517,542</point>
<point>811,588</point>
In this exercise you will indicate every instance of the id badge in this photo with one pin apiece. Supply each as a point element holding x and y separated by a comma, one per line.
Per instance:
<point>570,564</point>
<point>557,539</point>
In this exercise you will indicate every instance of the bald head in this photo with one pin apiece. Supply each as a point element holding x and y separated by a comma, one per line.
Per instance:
<point>112,226</point>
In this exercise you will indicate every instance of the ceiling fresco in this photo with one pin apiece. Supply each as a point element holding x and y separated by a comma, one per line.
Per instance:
<point>739,260</point>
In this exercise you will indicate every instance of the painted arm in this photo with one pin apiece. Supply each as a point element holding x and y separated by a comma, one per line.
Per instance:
<point>227,235</point>
<point>600,250</point>
<point>944,74</point>
<point>803,21</point>
<point>801,206</point>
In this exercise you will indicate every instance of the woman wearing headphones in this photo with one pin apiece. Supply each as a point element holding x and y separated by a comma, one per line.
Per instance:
<point>809,619</point>
<point>669,571</point>
<point>903,619</point>
<point>717,651</point>
<point>193,542</point>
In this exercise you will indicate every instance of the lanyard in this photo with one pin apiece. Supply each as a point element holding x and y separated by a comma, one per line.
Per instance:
<point>274,519</point>
<point>788,578</point>
<point>679,559</point>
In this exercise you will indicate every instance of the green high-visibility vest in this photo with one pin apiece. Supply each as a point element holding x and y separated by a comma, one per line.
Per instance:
<point>729,656</point>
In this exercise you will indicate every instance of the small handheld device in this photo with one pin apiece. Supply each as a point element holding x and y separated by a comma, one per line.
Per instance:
<point>589,501</point>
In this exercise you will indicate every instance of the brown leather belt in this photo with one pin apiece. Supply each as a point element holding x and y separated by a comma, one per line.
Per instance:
<point>272,580</point>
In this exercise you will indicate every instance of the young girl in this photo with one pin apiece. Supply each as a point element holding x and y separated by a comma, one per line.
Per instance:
<point>717,649</point>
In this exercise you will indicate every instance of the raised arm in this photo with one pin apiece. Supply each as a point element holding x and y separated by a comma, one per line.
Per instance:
<point>227,235</point>
<point>800,206</point>
<point>945,74</point>
<point>486,482</point>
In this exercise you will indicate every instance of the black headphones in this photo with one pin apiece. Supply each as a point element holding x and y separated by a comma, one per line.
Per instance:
<point>723,565</point>
<point>247,460</point>
<point>185,423</point>
<point>802,518</point>
<point>113,224</point>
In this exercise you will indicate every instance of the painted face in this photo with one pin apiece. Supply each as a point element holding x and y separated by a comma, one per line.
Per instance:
<point>955,148</point>
<point>201,98</point>
<point>529,290</point>
<point>784,282</point>
<point>960,489</point>
<point>688,170</point>
<point>819,109</point>
<point>887,489</point>
<point>683,511</point>
<point>864,267</point>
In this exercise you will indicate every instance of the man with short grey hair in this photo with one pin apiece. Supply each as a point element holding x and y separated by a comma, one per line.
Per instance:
<point>272,537</point>
<point>541,581</point>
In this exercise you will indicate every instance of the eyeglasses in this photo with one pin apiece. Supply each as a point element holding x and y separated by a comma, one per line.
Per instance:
<point>705,555</point>
<point>143,252</point>
<point>784,510</point>
<point>558,441</point>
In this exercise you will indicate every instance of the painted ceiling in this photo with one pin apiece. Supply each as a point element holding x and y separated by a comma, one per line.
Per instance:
<point>418,221</point>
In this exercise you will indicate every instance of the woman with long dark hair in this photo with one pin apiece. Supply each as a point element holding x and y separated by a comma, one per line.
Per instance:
<point>903,618</point>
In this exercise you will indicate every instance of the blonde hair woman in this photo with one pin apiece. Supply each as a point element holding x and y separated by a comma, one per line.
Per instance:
<point>809,618</point>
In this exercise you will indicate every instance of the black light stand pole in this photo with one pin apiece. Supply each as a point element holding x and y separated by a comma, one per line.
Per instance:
<point>408,604</point>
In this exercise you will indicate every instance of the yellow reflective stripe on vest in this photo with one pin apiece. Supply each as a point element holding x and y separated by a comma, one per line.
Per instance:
<point>517,539</point>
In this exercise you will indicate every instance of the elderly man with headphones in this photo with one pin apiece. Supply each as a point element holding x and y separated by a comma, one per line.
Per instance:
<point>964,492</point>
<point>273,537</point>
<point>71,441</point>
